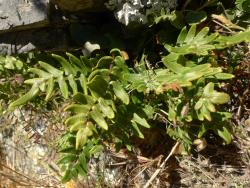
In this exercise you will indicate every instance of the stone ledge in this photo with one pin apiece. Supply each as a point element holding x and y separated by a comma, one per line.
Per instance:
<point>42,39</point>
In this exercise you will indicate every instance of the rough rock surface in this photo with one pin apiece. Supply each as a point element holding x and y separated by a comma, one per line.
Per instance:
<point>27,25</point>
<point>22,14</point>
<point>128,11</point>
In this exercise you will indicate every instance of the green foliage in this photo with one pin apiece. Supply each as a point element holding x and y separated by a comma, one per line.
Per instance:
<point>240,14</point>
<point>193,12</point>
<point>10,63</point>
<point>108,101</point>
<point>188,42</point>
<point>12,74</point>
<point>178,18</point>
<point>112,102</point>
<point>73,161</point>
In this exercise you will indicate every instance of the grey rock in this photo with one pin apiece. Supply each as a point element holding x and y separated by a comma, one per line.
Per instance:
<point>128,11</point>
<point>27,25</point>
<point>89,48</point>
<point>23,14</point>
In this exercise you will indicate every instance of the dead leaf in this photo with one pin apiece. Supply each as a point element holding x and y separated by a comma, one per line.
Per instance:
<point>200,143</point>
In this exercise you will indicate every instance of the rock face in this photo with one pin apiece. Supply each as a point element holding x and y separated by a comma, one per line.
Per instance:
<point>27,25</point>
<point>23,13</point>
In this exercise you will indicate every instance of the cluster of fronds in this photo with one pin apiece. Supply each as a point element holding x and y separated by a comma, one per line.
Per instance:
<point>111,102</point>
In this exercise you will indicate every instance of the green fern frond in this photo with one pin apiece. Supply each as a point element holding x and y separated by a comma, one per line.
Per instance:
<point>191,42</point>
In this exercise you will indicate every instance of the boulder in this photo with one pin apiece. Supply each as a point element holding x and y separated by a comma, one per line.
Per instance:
<point>23,14</point>
<point>27,25</point>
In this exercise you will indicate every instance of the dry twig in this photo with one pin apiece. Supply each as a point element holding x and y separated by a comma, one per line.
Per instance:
<point>173,151</point>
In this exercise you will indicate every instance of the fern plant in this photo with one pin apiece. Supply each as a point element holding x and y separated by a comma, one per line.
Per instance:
<point>111,102</point>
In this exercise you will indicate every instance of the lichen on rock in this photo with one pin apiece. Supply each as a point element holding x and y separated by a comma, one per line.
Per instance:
<point>127,11</point>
